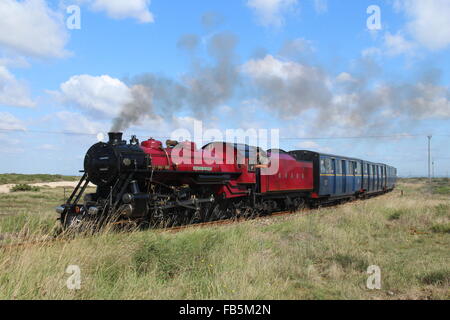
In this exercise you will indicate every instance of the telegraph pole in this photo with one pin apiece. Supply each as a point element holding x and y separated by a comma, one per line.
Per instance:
<point>433,173</point>
<point>429,157</point>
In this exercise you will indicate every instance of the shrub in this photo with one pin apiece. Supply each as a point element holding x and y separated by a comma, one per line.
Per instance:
<point>442,190</point>
<point>395,214</point>
<point>442,210</point>
<point>351,262</point>
<point>24,188</point>
<point>437,278</point>
<point>441,228</point>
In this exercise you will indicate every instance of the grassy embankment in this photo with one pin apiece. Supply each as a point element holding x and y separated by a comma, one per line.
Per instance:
<point>13,178</point>
<point>324,255</point>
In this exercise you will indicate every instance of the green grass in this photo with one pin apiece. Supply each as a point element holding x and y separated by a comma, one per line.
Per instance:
<point>13,178</point>
<point>445,190</point>
<point>31,212</point>
<point>324,255</point>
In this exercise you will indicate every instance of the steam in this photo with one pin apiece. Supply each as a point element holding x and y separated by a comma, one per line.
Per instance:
<point>355,103</point>
<point>188,42</point>
<point>211,20</point>
<point>201,90</point>
<point>290,87</point>
<point>139,108</point>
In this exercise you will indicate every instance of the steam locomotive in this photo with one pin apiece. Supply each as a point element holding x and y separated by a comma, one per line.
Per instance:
<point>151,185</point>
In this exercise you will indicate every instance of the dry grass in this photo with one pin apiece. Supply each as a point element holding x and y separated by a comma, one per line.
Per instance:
<point>323,255</point>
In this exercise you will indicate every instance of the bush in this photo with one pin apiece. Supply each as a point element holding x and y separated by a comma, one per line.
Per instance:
<point>437,278</point>
<point>441,228</point>
<point>442,210</point>
<point>395,214</point>
<point>443,190</point>
<point>24,188</point>
<point>351,262</point>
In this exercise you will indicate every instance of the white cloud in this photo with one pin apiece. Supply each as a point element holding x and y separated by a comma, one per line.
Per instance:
<point>393,45</point>
<point>120,9</point>
<point>77,123</point>
<point>372,51</point>
<point>345,77</point>
<point>13,92</point>
<point>289,87</point>
<point>31,28</point>
<point>423,101</point>
<point>270,12</point>
<point>270,67</point>
<point>427,26</point>
<point>311,145</point>
<point>429,21</point>
<point>10,145</point>
<point>296,48</point>
<point>10,122</point>
<point>396,44</point>
<point>102,95</point>
<point>308,145</point>
<point>321,6</point>
<point>47,147</point>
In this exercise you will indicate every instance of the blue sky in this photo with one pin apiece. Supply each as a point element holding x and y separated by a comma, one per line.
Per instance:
<point>310,68</point>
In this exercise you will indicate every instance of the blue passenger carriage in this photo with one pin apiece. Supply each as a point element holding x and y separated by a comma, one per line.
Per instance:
<point>338,177</point>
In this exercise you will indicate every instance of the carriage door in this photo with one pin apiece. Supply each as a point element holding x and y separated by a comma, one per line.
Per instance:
<point>385,177</point>
<point>333,165</point>
<point>374,178</point>
<point>344,176</point>
<point>353,176</point>
<point>378,177</point>
<point>375,174</point>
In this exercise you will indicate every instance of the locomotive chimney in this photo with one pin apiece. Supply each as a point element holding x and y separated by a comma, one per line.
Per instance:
<point>115,138</point>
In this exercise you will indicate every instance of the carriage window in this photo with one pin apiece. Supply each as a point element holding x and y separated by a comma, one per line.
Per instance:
<point>358,168</point>
<point>338,168</point>
<point>328,166</point>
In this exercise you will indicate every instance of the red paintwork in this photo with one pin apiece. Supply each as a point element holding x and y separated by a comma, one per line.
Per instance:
<point>291,176</point>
